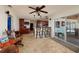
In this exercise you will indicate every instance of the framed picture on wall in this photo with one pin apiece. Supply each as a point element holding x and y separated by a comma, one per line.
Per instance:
<point>62,23</point>
<point>57,24</point>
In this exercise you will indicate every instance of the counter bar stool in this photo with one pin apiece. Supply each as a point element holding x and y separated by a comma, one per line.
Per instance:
<point>38,32</point>
<point>44,32</point>
<point>49,31</point>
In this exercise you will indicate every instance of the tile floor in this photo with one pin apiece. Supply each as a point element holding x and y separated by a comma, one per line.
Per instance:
<point>42,45</point>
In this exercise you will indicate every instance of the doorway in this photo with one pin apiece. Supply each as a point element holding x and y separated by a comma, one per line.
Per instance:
<point>31,26</point>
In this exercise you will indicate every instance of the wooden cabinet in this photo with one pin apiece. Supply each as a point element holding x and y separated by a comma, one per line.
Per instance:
<point>22,28</point>
<point>42,23</point>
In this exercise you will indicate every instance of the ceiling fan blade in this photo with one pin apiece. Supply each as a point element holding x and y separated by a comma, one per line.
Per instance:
<point>43,11</point>
<point>32,8</point>
<point>43,6</point>
<point>32,12</point>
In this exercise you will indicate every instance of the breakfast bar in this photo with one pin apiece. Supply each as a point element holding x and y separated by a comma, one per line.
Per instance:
<point>42,32</point>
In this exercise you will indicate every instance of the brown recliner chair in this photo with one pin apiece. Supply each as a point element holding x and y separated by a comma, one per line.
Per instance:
<point>18,41</point>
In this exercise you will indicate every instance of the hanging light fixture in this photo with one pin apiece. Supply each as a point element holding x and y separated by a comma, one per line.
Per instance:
<point>7,12</point>
<point>34,16</point>
<point>50,19</point>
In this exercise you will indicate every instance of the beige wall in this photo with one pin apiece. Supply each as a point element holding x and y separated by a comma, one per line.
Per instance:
<point>3,19</point>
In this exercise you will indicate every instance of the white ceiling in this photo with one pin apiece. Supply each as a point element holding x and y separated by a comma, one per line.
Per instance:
<point>23,11</point>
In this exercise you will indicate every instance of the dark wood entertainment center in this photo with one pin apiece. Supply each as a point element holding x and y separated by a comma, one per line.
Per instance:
<point>22,28</point>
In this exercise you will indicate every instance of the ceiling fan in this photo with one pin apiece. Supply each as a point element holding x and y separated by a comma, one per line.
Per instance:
<point>38,10</point>
<point>10,6</point>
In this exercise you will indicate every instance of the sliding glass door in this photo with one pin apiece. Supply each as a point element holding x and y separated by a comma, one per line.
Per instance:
<point>72,32</point>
